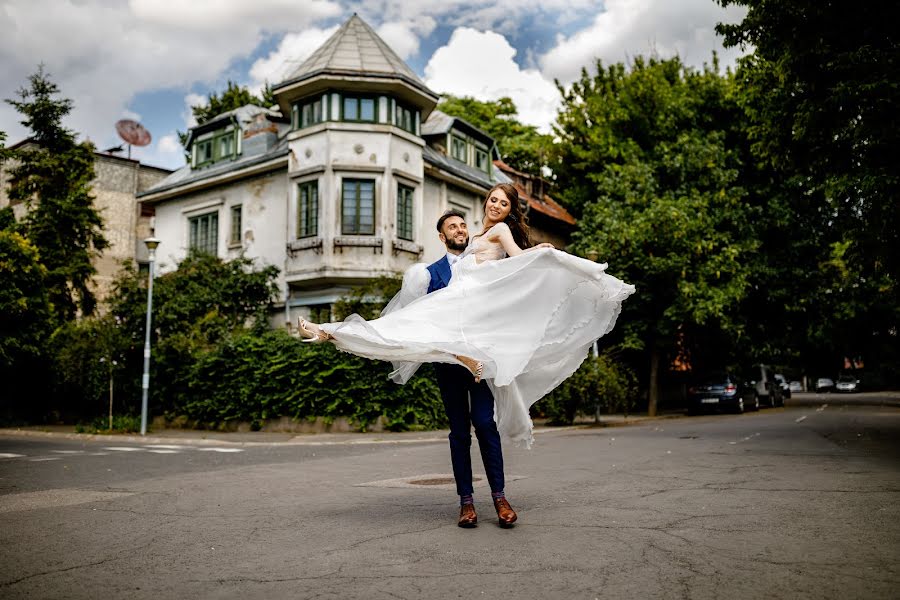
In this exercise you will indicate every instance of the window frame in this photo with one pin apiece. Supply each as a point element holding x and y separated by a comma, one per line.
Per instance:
<point>358,100</point>
<point>235,234</point>
<point>406,196</point>
<point>212,237</point>
<point>454,140</point>
<point>357,230</point>
<point>311,213</point>
<point>215,139</point>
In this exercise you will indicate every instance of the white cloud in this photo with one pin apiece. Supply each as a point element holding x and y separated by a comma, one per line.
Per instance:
<point>233,14</point>
<point>481,65</point>
<point>190,101</point>
<point>628,28</point>
<point>293,50</point>
<point>102,53</point>
<point>400,37</point>
<point>130,114</point>
<point>169,144</point>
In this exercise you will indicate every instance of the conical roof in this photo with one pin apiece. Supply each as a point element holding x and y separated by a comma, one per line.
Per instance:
<point>355,49</point>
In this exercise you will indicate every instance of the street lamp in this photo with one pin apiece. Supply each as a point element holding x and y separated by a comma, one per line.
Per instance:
<point>151,243</point>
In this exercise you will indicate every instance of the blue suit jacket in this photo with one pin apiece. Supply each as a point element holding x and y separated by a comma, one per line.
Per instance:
<point>440,274</point>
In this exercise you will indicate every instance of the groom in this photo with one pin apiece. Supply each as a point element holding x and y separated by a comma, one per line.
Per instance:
<point>457,387</point>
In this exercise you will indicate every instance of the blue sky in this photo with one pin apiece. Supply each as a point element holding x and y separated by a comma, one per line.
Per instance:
<point>151,59</point>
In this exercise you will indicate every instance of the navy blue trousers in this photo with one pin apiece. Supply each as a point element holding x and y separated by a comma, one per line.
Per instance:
<point>457,387</point>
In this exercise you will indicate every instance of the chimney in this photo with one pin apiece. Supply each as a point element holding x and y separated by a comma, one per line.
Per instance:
<point>260,136</point>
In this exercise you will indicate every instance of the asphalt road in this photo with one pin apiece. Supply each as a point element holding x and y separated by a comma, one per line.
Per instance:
<point>801,502</point>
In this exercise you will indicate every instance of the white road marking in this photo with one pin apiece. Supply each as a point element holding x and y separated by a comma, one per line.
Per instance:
<point>166,446</point>
<point>220,449</point>
<point>821,408</point>
<point>123,448</point>
<point>800,419</point>
<point>68,451</point>
<point>10,455</point>
<point>162,451</point>
<point>43,458</point>
<point>99,454</point>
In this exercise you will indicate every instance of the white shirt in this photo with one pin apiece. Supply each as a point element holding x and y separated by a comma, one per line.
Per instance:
<point>452,258</point>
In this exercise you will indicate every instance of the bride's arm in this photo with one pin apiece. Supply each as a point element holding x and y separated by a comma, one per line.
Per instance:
<point>501,231</point>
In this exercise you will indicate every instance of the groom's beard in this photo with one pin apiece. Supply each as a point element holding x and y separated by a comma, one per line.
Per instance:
<point>458,246</point>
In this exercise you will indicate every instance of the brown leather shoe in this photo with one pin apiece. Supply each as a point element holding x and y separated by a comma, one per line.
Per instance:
<point>467,516</point>
<point>505,513</point>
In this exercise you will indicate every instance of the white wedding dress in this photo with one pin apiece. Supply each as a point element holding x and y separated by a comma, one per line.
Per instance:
<point>531,319</point>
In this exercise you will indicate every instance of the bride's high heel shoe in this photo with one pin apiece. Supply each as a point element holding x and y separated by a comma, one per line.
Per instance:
<point>475,366</point>
<point>309,335</point>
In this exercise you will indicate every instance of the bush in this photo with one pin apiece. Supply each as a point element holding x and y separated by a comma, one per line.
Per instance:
<point>599,385</point>
<point>257,376</point>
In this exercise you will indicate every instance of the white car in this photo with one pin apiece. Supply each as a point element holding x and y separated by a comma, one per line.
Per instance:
<point>824,384</point>
<point>795,386</point>
<point>847,383</point>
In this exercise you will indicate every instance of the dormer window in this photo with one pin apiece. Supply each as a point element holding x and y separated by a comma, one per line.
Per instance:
<point>459,149</point>
<point>481,160</point>
<point>215,146</point>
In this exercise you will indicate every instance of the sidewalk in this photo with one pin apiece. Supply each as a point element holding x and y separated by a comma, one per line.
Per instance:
<point>201,437</point>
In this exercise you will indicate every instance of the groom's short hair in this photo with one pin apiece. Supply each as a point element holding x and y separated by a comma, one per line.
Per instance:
<point>450,213</point>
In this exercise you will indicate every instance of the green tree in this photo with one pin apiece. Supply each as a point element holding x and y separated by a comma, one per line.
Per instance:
<point>53,176</point>
<point>521,146</point>
<point>195,308</point>
<point>647,158</point>
<point>25,324</point>
<point>234,96</point>
<point>820,93</point>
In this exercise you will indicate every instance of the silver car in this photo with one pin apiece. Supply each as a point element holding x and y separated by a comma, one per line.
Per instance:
<point>847,383</point>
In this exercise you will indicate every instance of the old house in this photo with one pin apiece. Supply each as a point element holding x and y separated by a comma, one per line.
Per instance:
<point>343,181</point>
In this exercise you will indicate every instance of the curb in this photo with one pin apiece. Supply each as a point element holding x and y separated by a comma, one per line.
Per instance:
<point>299,440</point>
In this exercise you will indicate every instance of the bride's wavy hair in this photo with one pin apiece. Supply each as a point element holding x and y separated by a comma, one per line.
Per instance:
<point>516,220</point>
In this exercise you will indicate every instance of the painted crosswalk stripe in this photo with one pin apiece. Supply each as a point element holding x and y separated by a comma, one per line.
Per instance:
<point>162,451</point>
<point>123,448</point>
<point>800,419</point>
<point>10,455</point>
<point>221,449</point>
<point>43,458</point>
<point>165,446</point>
<point>68,451</point>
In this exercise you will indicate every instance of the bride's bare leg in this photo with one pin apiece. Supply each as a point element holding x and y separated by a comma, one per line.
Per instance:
<point>311,331</point>
<point>476,366</point>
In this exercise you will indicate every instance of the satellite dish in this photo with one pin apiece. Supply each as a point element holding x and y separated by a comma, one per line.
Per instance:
<point>133,133</point>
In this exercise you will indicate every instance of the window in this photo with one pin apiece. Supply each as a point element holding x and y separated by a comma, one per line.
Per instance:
<point>359,109</point>
<point>204,233</point>
<point>204,151</point>
<point>481,160</point>
<point>404,118</point>
<point>308,209</point>
<point>458,149</point>
<point>405,212</point>
<point>312,112</point>
<point>358,207</point>
<point>221,145</point>
<point>235,238</point>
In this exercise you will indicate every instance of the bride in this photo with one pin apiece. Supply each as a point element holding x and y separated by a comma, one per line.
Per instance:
<point>522,317</point>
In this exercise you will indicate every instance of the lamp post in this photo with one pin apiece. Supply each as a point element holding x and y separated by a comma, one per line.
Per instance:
<point>592,255</point>
<point>151,243</point>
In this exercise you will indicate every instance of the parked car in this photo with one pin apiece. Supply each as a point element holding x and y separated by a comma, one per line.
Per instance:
<point>847,383</point>
<point>720,391</point>
<point>760,380</point>
<point>795,386</point>
<point>824,384</point>
<point>785,387</point>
